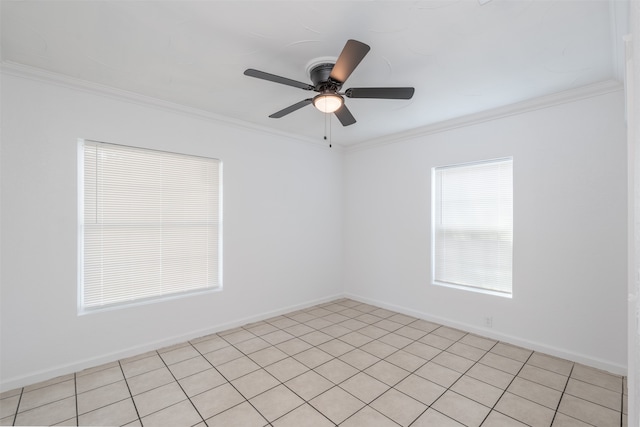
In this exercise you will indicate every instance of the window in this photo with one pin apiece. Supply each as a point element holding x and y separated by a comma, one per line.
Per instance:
<point>472,229</point>
<point>150,224</point>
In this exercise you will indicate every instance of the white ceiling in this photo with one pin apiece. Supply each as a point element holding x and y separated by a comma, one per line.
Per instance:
<point>462,57</point>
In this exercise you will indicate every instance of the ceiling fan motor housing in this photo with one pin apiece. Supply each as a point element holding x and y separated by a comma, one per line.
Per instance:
<point>319,75</point>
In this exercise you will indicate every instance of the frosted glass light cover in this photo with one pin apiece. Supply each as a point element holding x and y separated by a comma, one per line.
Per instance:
<point>328,103</point>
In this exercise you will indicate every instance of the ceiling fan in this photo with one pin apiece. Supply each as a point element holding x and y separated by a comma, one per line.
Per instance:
<point>328,79</point>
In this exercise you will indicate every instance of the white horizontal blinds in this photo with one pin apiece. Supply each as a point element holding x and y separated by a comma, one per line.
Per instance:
<point>151,223</point>
<point>473,226</point>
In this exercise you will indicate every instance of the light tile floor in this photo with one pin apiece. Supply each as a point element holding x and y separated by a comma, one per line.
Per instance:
<point>340,363</point>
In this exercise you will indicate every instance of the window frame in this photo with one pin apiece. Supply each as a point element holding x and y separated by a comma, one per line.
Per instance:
<point>435,205</point>
<point>82,309</point>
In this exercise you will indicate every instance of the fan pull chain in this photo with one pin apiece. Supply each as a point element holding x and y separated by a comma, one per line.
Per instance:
<point>327,117</point>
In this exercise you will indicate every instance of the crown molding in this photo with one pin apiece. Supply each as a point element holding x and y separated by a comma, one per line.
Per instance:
<point>572,95</point>
<point>37,74</point>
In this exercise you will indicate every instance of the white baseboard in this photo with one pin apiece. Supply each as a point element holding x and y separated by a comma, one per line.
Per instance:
<point>79,365</point>
<point>604,365</point>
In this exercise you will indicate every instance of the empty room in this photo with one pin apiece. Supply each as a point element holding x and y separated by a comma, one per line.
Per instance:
<point>320,213</point>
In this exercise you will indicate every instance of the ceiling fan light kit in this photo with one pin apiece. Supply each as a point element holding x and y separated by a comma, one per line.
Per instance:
<point>328,103</point>
<point>328,78</point>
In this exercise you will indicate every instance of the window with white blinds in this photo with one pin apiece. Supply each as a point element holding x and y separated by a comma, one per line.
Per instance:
<point>472,228</point>
<point>150,224</point>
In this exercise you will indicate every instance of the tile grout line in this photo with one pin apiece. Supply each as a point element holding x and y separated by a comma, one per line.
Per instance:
<point>586,399</point>
<point>226,379</point>
<point>622,404</point>
<point>180,385</point>
<point>446,388</point>
<point>478,362</point>
<point>504,391</point>
<point>15,416</point>
<point>563,393</point>
<point>106,404</point>
<point>458,379</point>
<point>130,394</point>
<point>75,391</point>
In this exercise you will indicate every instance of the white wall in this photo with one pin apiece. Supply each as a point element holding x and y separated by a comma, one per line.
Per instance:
<point>569,268</point>
<point>282,228</point>
<point>286,204</point>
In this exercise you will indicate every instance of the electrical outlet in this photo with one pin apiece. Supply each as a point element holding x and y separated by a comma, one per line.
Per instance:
<point>488,322</point>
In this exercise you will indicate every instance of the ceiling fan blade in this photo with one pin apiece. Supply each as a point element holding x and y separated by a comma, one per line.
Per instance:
<point>351,55</point>
<point>277,79</point>
<point>344,115</point>
<point>380,92</point>
<point>291,108</point>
